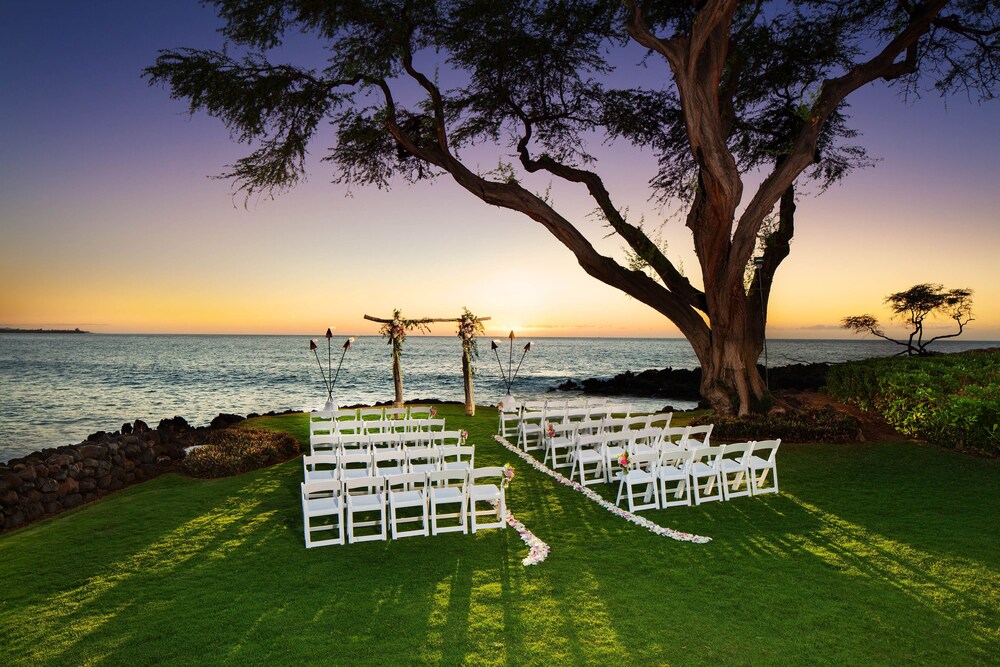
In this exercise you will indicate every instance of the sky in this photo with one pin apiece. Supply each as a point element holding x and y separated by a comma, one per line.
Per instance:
<point>110,219</point>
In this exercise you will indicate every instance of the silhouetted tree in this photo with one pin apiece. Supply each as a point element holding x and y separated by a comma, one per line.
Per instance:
<point>913,307</point>
<point>733,88</point>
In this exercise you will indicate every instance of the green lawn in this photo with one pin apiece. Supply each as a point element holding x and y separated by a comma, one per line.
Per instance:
<point>881,553</point>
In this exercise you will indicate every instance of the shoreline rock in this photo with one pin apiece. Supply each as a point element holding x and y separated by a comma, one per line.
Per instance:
<point>683,383</point>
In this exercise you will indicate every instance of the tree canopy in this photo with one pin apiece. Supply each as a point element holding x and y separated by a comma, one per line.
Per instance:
<point>729,88</point>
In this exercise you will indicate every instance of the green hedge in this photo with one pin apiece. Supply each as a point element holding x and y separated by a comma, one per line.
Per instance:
<point>234,451</point>
<point>951,400</point>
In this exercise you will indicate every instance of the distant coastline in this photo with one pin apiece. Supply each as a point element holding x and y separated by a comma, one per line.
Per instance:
<point>4,330</point>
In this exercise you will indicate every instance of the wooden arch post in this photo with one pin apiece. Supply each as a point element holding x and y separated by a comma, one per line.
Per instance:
<point>395,329</point>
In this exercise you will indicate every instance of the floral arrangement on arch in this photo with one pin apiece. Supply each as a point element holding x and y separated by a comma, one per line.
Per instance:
<point>395,330</point>
<point>469,327</point>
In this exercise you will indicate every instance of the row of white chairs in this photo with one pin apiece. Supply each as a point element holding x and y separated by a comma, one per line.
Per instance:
<point>669,477</point>
<point>407,504</point>
<point>530,425</point>
<point>592,453</point>
<point>391,440</point>
<point>352,464</point>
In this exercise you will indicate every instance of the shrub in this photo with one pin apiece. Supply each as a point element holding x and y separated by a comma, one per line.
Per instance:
<point>234,451</point>
<point>950,400</point>
<point>823,425</point>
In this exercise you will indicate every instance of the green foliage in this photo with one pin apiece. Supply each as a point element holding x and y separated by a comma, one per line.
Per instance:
<point>236,451</point>
<point>951,400</point>
<point>823,425</point>
<point>868,556</point>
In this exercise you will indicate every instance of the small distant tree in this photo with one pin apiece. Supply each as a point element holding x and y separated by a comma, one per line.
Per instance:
<point>913,307</point>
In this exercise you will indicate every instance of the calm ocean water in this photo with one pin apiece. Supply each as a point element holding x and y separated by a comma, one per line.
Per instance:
<point>55,389</point>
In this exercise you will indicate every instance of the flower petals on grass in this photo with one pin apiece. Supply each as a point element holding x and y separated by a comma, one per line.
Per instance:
<point>641,521</point>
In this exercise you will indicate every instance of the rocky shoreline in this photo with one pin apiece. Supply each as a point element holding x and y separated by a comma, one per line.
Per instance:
<point>682,383</point>
<point>52,480</point>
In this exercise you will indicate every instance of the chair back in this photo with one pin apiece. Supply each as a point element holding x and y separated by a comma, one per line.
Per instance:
<point>699,436</point>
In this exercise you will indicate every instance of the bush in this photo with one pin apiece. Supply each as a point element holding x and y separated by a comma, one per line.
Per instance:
<point>230,452</point>
<point>823,425</point>
<point>950,400</point>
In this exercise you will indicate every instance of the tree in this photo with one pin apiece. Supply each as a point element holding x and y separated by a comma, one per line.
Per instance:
<point>735,88</point>
<point>912,307</point>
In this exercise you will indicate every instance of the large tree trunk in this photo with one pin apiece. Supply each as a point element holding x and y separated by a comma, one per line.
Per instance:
<point>397,378</point>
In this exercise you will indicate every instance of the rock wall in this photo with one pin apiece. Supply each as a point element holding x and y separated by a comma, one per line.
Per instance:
<point>51,481</point>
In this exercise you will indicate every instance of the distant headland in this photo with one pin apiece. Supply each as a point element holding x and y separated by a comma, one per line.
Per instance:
<point>4,330</point>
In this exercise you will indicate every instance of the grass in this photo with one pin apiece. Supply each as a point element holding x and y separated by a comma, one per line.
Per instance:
<point>879,553</point>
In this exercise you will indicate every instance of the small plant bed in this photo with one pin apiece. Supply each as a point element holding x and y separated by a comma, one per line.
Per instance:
<point>232,451</point>
<point>806,425</point>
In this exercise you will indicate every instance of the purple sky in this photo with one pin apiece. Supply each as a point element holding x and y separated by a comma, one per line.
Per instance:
<point>109,222</point>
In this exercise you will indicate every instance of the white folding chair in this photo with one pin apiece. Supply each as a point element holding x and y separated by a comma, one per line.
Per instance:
<point>322,431</point>
<point>388,462</point>
<point>366,414</point>
<point>481,491</point>
<point>560,444</point>
<point>407,495</point>
<point>644,440</point>
<point>615,444</point>
<point>385,440</point>
<point>588,459</point>
<point>448,489</point>
<point>365,508</point>
<point>354,464</point>
<point>674,438</point>
<point>507,423</point>
<point>639,479</point>
<point>423,459</point>
<point>529,430</point>
<point>673,474</point>
<point>323,501</point>
<point>458,457</point>
<point>395,414</point>
<point>351,442</point>
<point>699,436</point>
<point>763,458</point>
<point>733,470</point>
<point>419,412</point>
<point>615,424</point>
<point>320,467</point>
<point>705,475</point>
<point>660,419</point>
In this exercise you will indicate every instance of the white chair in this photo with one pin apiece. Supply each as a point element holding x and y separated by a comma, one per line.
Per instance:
<point>419,412</point>
<point>560,444</point>
<point>351,442</point>
<point>395,414</point>
<point>639,478</point>
<point>763,458</point>
<point>366,414</point>
<point>407,492</point>
<point>507,423</point>
<point>660,419</point>
<point>615,444</point>
<point>423,459</point>
<point>588,459</point>
<point>458,457</point>
<point>705,476</point>
<point>322,431</point>
<point>320,467</point>
<point>644,440</point>
<point>673,475</point>
<point>616,424</point>
<point>674,437</point>
<point>733,470</point>
<point>322,500</point>
<point>448,488</point>
<point>529,430</point>
<point>388,462</point>
<point>365,508</point>
<point>375,426</point>
<point>354,464</point>
<point>445,438</point>
<point>699,436</point>
<point>385,440</point>
<point>487,492</point>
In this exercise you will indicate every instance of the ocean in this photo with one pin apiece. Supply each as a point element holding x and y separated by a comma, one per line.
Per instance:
<point>56,389</point>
